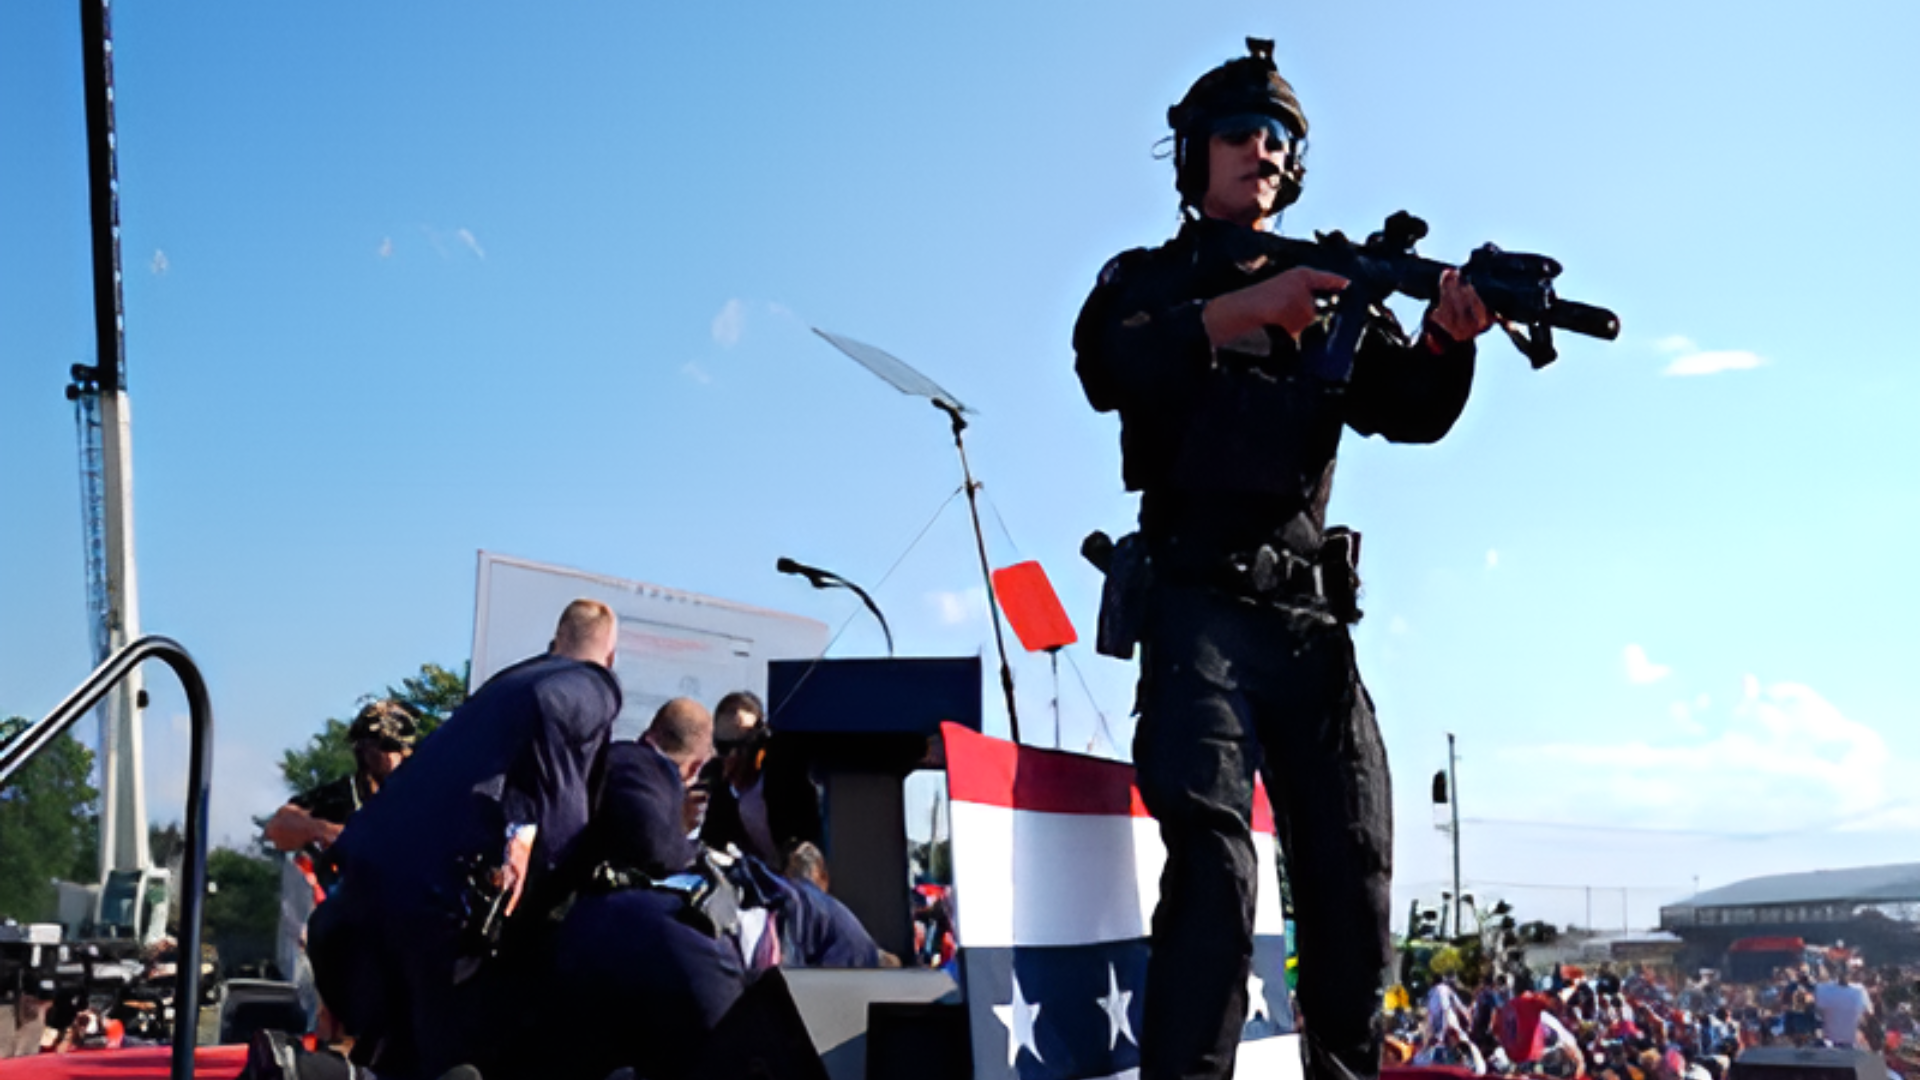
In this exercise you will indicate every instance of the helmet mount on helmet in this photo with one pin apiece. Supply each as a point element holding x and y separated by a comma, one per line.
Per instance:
<point>389,723</point>
<point>1248,86</point>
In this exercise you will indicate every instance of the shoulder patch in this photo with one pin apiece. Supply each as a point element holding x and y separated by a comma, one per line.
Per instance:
<point>1120,264</point>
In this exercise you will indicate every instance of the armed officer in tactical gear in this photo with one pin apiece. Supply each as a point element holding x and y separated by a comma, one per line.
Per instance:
<point>1231,407</point>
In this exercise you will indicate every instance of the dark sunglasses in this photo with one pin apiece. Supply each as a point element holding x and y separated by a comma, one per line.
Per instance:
<point>757,737</point>
<point>1237,130</point>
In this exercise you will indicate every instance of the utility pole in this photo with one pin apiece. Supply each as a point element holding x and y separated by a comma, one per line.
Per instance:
<point>99,393</point>
<point>1453,797</point>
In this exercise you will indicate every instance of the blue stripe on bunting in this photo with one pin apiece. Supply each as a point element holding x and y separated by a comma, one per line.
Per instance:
<point>1078,1013</point>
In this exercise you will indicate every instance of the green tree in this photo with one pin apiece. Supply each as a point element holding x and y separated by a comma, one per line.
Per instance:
<point>934,860</point>
<point>434,693</point>
<point>165,843</point>
<point>242,916</point>
<point>49,825</point>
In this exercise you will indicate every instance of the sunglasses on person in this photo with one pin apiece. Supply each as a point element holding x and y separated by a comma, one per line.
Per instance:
<point>756,736</point>
<point>1238,130</point>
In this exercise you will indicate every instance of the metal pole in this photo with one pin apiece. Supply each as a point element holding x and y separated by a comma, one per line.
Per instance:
<point>986,572</point>
<point>115,670</point>
<point>1053,655</point>
<point>123,805</point>
<point>1453,797</point>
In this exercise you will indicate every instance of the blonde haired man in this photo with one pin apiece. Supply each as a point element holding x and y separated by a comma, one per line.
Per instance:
<point>447,876</point>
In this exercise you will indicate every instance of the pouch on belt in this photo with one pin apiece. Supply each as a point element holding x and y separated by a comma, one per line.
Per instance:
<point>1123,600</point>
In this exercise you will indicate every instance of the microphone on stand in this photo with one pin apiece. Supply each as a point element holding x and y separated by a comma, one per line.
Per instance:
<point>827,579</point>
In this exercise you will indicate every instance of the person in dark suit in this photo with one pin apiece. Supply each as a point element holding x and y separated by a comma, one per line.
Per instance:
<point>494,802</point>
<point>760,798</point>
<point>634,982</point>
<point>640,979</point>
<point>642,819</point>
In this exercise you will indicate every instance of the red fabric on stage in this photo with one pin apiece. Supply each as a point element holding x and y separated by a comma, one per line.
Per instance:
<point>994,772</point>
<point>141,1063</point>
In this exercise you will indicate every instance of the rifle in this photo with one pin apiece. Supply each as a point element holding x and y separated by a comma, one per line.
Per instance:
<point>1517,288</point>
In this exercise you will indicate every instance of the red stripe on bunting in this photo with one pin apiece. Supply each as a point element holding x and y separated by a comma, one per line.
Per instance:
<point>994,772</point>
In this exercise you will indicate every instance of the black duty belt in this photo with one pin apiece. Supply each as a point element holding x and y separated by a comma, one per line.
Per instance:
<point>1268,573</point>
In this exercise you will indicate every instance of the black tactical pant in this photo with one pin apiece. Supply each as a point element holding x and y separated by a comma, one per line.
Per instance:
<point>1229,688</point>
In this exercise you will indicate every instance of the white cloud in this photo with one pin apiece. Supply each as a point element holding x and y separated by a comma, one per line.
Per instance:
<point>1786,758</point>
<point>1493,558</point>
<point>466,237</point>
<point>963,606</point>
<point>1640,670</point>
<point>1712,363</point>
<point>695,372</point>
<point>1683,719</point>
<point>386,247</point>
<point>1690,359</point>
<point>728,325</point>
<point>1398,626</point>
<point>159,262</point>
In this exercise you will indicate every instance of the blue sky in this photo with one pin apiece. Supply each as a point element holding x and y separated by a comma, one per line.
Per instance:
<point>407,282</point>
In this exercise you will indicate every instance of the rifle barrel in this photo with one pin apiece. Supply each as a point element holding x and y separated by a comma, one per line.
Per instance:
<point>1585,319</point>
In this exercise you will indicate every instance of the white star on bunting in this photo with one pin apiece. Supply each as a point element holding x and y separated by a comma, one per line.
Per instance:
<point>1257,997</point>
<point>1115,1003</point>
<point>1018,1016</point>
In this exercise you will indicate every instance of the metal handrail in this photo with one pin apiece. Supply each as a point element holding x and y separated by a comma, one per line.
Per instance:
<point>193,867</point>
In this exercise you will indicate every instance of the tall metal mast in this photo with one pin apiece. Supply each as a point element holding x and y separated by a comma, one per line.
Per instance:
<point>1453,796</point>
<point>99,393</point>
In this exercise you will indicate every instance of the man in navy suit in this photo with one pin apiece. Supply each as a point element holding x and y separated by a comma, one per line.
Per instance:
<point>494,801</point>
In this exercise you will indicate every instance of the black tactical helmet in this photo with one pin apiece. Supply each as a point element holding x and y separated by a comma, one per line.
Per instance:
<point>391,723</point>
<point>1249,84</point>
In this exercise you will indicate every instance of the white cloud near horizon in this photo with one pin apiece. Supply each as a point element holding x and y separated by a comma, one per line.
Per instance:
<point>159,263</point>
<point>1784,758</point>
<point>730,323</point>
<point>1640,669</point>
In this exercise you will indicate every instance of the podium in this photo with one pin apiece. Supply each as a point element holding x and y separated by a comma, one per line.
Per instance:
<point>863,725</point>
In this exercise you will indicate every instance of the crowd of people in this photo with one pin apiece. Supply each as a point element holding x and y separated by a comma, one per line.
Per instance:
<point>1642,1024</point>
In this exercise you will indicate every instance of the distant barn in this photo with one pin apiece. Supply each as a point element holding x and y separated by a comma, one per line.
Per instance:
<point>1874,910</point>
